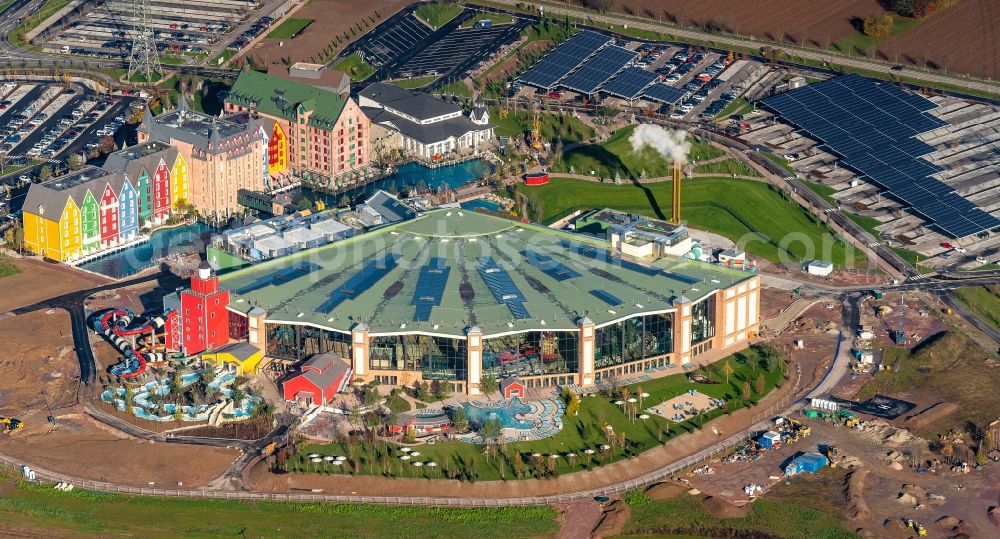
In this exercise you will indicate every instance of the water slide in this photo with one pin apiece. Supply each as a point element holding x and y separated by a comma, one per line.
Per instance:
<point>117,324</point>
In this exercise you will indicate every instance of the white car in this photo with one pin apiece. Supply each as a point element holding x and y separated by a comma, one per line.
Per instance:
<point>962,250</point>
<point>981,260</point>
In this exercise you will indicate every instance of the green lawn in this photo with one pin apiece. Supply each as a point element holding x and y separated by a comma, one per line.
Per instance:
<point>562,126</point>
<point>497,18</point>
<point>780,161</point>
<point>616,156</point>
<point>858,43</point>
<point>745,211</point>
<point>686,516</point>
<point>991,266</point>
<point>456,88</point>
<point>48,512</point>
<point>727,167</point>
<point>48,9</point>
<point>7,269</point>
<point>824,191</point>
<point>289,28</point>
<point>413,82</point>
<point>579,432</point>
<point>436,14</point>
<point>354,66</point>
<point>984,301</point>
<point>737,106</point>
<point>224,56</point>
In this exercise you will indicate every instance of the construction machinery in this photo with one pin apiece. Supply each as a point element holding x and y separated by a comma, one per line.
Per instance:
<point>916,526</point>
<point>10,424</point>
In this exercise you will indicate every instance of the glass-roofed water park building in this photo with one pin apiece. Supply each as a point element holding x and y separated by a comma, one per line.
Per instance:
<point>457,296</point>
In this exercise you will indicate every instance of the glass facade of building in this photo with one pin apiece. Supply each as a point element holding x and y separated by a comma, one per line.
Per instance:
<point>435,357</point>
<point>290,341</point>
<point>633,339</point>
<point>531,353</point>
<point>703,320</point>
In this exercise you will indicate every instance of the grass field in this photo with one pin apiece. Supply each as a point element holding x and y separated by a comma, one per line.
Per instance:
<point>579,432</point>
<point>456,88</point>
<point>7,269</point>
<point>750,213</point>
<point>48,9</point>
<point>413,82</point>
<point>858,43</point>
<point>948,367</point>
<point>727,167</point>
<point>437,13</point>
<point>561,126</point>
<point>354,66</point>
<point>824,191</point>
<point>497,18</point>
<point>984,301</point>
<point>48,512</point>
<point>616,157</point>
<point>686,516</point>
<point>991,266</point>
<point>290,28</point>
<point>737,106</point>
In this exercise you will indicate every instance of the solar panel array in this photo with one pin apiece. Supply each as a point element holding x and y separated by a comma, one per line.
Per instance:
<point>598,69</point>
<point>502,287</point>
<point>630,83</point>
<point>550,266</point>
<point>361,281</point>
<point>280,277</point>
<point>872,126</point>
<point>607,297</point>
<point>430,288</point>
<point>664,94</point>
<point>564,59</point>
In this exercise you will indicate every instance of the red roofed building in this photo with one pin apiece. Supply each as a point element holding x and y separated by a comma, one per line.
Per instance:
<point>204,317</point>
<point>511,387</point>
<point>318,380</point>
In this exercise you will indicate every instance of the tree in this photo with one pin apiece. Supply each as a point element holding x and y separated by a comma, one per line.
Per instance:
<point>746,390</point>
<point>14,236</point>
<point>45,173</point>
<point>345,201</point>
<point>727,369</point>
<point>489,385</point>
<point>600,6</point>
<point>759,384</point>
<point>878,26</point>
<point>491,430</point>
<point>106,145</point>
<point>459,419</point>
<point>76,161</point>
<point>985,446</point>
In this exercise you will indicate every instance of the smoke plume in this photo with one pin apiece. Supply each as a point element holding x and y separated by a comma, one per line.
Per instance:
<point>672,144</point>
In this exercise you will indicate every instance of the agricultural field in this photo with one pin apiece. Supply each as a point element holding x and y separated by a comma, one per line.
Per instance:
<point>949,368</point>
<point>566,128</point>
<point>437,13</point>
<point>984,301</point>
<point>615,157</point>
<point>580,432</point>
<point>747,212</point>
<point>289,29</point>
<point>34,511</point>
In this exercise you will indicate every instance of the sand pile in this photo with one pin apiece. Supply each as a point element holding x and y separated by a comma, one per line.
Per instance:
<point>613,521</point>
<point>664,491</point>
<point>723,509</point>
<point>854,486</point>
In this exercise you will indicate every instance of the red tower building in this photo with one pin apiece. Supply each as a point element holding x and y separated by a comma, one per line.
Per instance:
<point>204,318</point>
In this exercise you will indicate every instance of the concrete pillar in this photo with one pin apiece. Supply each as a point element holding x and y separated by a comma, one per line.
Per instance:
<point>586,352</point>
<point>359,349</point>
<point>256,328</point>
<point>474,346</point>
<point>682,331</point>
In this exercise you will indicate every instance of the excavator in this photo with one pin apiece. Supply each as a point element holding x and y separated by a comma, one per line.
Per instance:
<point>9,424</point>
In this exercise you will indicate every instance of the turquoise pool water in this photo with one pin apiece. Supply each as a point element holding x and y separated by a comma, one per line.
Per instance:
<point>142,408</point>
<point>473,205</point>
<point>507,414</point>
<point>185,239</point>
<point>411,174</point>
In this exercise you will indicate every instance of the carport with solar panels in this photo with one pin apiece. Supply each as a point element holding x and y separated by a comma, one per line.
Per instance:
<point>872,126</point>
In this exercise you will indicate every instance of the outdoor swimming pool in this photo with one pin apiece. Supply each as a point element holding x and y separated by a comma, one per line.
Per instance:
<point>411,174</point>
<point>506,411</point>
<point>162,243</point>
<point>473,205</point>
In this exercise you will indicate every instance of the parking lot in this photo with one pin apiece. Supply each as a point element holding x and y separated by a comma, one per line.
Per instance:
<point>458,47</point>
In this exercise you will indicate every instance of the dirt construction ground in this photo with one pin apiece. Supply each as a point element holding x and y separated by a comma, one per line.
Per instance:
<point>38,364</point>
<point>40,280</point>
<point>330,18</point>
<point>80,447</point>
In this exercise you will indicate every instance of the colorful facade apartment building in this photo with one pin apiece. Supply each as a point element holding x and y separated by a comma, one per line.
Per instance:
<point>218,156</point>
<point>95,209</point>
<point>315,132</point>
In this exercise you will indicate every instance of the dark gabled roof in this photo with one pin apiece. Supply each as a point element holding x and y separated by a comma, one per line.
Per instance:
<point>389,207</point>
<point>279,97</point>
<point>425,133</point>
<point>332,366</point>
<point>148,154</point>
<point>419,105</point>
<point>53,194</point>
